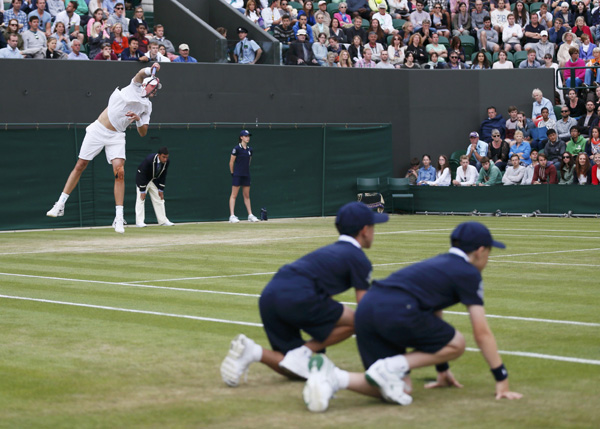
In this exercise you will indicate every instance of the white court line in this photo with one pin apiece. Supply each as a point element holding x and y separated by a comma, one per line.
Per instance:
<point>544,253</point>
<point>549,263</point>
<point>252,295</point>
<point>541,356</point>
<point>204,278</point>
<point>259,325</point>
<point>203,243</point>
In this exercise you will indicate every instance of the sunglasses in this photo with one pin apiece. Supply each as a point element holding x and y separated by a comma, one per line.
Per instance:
<point>13,25</point>
<point>453,57</point>
<point>564,111</point>
<point>119,8</point>
<point>566,157</point>
<point>495,135</point>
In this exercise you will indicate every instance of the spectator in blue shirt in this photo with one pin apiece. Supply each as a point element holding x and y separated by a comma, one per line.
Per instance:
<point>476,150</point>
<point>427,172</point>
<point>246,51</point>
<point>184,55</point>
<point>11,51</point>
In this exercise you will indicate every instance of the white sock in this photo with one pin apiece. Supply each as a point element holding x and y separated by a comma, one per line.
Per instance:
<point>63,198</point>
<point>256,353</point>
<point>397,363</point>
<point>343,378</point>
<point>119,210</point>
<point>306,351</point>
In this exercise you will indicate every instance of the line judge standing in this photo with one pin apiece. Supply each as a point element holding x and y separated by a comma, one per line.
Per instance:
<point>150,178</point>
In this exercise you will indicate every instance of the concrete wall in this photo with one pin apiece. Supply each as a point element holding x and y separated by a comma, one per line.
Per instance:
<point>431,111</point>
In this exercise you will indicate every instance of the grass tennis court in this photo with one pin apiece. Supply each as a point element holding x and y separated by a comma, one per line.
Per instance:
<point>105,330</point>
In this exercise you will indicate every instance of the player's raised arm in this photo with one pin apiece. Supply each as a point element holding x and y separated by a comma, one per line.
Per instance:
<point>487,344</point>
<point>146,72</point>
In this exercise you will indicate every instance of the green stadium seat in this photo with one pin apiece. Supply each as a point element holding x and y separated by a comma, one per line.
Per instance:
<point>365,24</point>
<point>295,5</point>
<point>367,184</point>
<point>534,7</point>
<point>457,154</point>
<point>519,57</point>
<point>557,110</point>
<point>400,188</point>
<point>444,41</point>
<point>398,23</point>
<point>332,8</point>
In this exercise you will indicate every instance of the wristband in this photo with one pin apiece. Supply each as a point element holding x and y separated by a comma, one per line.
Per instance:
<point>442,367</point>
<point>500,373</point>
<point>148,71</point>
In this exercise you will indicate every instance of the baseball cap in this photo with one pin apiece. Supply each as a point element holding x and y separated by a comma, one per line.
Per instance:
<point>322,2</point>
<point>184,47</point>
<point>543,33</point>
<point>245,133</point>
<point>382,5</point>
<point>301,32</point>
<point>564,4</point>
<point>474,134</point>
<point>469,236</point>
<point>242,30</point>
<point>353,217</point>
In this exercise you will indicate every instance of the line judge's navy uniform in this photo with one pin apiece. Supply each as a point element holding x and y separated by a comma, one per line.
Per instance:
<point>398,312</point>
<point>299,295</point>
<point>241,166</point>
<point>152,170</point>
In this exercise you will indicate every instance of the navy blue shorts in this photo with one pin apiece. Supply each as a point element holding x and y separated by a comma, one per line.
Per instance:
<point>388,320</point>
<point>241,181</point>
<point>289,304</point>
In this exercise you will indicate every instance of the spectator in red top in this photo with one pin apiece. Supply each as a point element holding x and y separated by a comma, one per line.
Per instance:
<point>106,54</point>
<point>575,61</point>
<point>544,173</point>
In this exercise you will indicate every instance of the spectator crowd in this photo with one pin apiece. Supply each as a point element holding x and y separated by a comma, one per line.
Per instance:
<point>84,30</point>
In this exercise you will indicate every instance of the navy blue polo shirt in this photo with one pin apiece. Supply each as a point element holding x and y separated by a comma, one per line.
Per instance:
<point>334,268</point>
<point>241,167</point>
<point>439,282</point>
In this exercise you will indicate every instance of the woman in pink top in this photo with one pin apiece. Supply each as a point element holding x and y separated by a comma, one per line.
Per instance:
<point>344,19</point>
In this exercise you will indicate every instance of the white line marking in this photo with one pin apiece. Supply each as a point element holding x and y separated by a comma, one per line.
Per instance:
<point>259,325</point>
<point>129,310</point>
<point>253,295</point>
<point>545,253</point>
<point>541,356</point>
<point>204,278</point>
<point>548,263</point>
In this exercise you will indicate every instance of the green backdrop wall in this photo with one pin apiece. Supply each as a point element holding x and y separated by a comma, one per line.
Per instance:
<point>296,171</point>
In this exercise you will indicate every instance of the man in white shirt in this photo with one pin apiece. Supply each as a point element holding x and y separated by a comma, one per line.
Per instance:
<point>154,55</point>
<point>466,174</point>
<point>385,20</point>
<point>512,35</point>
<point>271,15</point>
<point>500,17</point>
<point>384,63</point>
<point>70,19</point>
<point>125,106</point>
<point>513,175</point>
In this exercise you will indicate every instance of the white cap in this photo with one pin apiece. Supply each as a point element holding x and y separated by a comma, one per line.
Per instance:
<point>543,33</point>
<point>322,2</point>
<point>301,32</point>
<point>564,4</point>
<point>184,47</point>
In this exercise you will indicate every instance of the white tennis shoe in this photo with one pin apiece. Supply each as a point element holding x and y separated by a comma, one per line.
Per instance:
<point>167,223</point>
<point>321,384</point>
<point>233,219</point>
<point>141,225</point>
<point>296,361</point>
<point>57,210</point>
<point>118,224</point>
<point>252,218</point>
<point>237,361</point>
<point>390,383</point>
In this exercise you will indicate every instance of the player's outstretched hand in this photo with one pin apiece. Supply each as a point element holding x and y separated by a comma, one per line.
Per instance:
<point>502,391</point>
<point>444,379</point>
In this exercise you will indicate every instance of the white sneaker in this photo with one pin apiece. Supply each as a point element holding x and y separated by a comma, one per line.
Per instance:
<point>233,219</point>
<point>118,225</point>
<point>141,225</point>
<point>57,210</point>
<point>296,361</point>
<point>167,223</point>
<point>237,361</point>
<point>321,384</point>
<point>390,383</point>
<point>252,218</point>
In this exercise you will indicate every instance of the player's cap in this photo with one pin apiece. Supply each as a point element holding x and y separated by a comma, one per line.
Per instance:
<point>245,133</point>
<point>382,6</point>
<point>353,217</point>
<point>150,86</point>
<point>474,134</point>
<point>242,30</point>
<point>543,33</point>
<point>469,236</point>
<point>184,47</point>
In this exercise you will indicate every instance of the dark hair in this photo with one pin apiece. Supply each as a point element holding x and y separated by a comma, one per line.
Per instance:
<point>512,108</point>
<point>32,17</point>
<point>542,155</point>
<point>544,108</point>
<point>425,155</point>
<point>484,159</point>
<point>415,161</point>
<point>552,131</point>
<point>520,16</point>
<point>574,127</point>
<point>379,31</point>
<point>563,163</point>
<point>594,128</point>
<point>439,167</point>
<point>579,170</point>
<point>163,151</point>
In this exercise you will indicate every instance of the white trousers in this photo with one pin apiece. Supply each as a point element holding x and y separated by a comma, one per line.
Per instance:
<point>157,203</point>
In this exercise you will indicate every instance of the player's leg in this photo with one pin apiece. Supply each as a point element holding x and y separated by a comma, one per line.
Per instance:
<point>119,191</point>
<point>246,194</point>
<point>59,207</point>
<point>140,211</point>
<point>235,189</point>
<point>344,329</point>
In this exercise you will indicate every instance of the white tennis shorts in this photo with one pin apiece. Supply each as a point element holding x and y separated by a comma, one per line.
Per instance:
<point>98,137</point>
